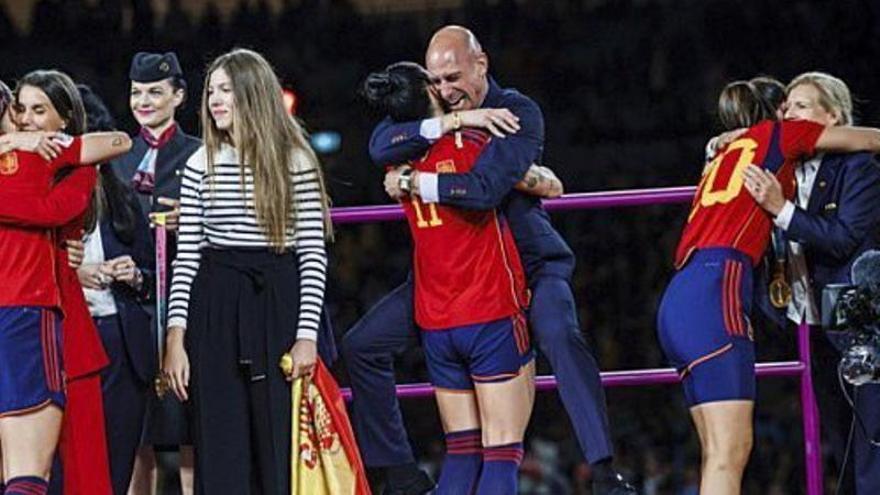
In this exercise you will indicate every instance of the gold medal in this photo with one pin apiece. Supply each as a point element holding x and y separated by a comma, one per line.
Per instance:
<point>780,291</point>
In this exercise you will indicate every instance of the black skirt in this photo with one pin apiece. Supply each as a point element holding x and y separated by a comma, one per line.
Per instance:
<point>243,312</point>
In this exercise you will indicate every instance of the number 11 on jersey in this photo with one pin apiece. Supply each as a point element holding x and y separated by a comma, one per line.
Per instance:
<point>421,223</point>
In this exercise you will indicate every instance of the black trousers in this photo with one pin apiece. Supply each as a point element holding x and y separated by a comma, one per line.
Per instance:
<point>125,400</point>
<point>242,317</point>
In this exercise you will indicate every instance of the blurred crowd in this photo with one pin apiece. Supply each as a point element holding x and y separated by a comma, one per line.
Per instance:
<point>628,89</point>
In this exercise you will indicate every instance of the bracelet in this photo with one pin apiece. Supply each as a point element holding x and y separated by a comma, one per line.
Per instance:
<point>404,181</point>
<point>456,121</point>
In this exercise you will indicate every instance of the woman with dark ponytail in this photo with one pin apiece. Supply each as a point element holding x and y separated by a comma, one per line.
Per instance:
<point>470,299</point>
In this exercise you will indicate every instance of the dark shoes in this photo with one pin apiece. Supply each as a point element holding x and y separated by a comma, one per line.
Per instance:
<point>613,485</point>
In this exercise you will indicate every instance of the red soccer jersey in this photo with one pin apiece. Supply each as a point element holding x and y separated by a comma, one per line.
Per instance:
<point>27,270</point>
<point>467,269</point>
<point>723,213</point>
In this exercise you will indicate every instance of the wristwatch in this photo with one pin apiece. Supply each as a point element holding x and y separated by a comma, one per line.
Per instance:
<point>456,121</point>
<point>404,180</point>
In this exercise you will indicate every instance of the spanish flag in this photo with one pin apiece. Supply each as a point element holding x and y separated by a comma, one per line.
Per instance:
<point>324,457</point>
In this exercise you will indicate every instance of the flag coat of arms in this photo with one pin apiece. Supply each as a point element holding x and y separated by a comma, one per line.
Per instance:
<point>324,456</point>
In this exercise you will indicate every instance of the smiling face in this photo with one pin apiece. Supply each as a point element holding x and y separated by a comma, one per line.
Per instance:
<point>34,111</point>
<point>459,70</point>
<point>804,102</point>
<point>153,104</point>
<point>221,100</point>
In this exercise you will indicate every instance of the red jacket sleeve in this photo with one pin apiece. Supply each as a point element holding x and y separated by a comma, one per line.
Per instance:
<point>71,154</point>
<point>66,201</point>
<point>798,138</point>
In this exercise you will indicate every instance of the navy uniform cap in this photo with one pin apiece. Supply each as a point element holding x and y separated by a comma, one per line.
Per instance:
<point>152,67</point>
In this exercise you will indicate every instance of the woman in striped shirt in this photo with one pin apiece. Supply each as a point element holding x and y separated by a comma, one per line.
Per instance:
<point>249,277</point>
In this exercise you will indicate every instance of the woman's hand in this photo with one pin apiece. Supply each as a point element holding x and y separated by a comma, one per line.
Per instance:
<point>123,269</point>
<point>304,354</point>
<point>172,216</point>
<point>765,188</point>
<point>499,121</point>
<point>176,364</point>
<point>93,276</point>
<point>76,252</point>
<point>42,143</point>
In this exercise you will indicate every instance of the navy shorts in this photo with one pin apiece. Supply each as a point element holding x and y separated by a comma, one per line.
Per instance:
<point>31,375</point>
<point>704,329</point>
<point>483,353</point>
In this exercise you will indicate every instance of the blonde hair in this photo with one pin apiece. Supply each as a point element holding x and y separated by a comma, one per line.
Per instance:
<point>834,95</point>
<point>269,141</point>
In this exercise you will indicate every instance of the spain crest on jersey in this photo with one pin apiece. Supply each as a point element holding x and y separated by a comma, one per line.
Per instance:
<point>8,164</point>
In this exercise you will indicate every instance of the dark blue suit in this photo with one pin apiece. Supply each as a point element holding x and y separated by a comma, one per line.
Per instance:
<point>369,347</point>
<point>166,425</point>
<point>842,220</point>
<point>130,343</point>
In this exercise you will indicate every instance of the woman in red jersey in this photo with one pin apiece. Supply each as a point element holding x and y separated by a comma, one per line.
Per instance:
<point>703,323</point>
<point>470,299</point>
<point>35,389</point>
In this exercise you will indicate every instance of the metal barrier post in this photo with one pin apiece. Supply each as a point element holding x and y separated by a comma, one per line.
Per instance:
<point>810,411</point>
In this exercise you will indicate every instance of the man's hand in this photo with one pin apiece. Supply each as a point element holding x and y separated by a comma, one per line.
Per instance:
<point>392,183</point>
<point>76,251</point>
<point>42,143</point>
<point>172,217</point>
<point>765,188</point>
<point>499,121</point>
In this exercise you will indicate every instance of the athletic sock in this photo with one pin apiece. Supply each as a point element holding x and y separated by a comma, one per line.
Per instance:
<point>27,485</point>
<point>500,468</point>
<point>461,466</point>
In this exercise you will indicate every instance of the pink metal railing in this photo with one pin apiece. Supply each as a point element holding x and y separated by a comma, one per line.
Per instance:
<point>631,378</point>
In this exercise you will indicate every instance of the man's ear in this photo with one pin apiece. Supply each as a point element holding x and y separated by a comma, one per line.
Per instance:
<point>482,62</point>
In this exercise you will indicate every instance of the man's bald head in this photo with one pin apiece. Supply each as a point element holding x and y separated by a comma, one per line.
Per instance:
<point>455,37</point>
<point>460,67</point>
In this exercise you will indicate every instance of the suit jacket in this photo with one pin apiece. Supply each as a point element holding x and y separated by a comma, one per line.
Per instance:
<point>489,184</point>
<point>169,165</point>
<point>137,332</point>
<point>841,221</point>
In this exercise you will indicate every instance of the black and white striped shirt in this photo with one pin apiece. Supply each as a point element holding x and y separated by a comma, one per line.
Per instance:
<point>216,212</point>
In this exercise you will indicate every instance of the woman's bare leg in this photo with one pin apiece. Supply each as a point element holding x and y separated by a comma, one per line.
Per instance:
<point>144,476</point>
<point>29,442</point>
<point>187,461</point>
<point>725,431</point>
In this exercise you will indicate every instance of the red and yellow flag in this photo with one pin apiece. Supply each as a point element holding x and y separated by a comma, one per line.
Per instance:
<point>324,457</point>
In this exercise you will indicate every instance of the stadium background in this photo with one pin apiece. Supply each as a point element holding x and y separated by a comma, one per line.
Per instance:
<point>628,90</point>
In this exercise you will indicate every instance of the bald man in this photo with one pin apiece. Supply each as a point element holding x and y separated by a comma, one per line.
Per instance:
<point>461,70</point>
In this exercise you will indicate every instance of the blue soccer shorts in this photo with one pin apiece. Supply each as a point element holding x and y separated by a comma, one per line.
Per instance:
<point>489,352</point>
<point>704,329</point>
<point>31,375</point>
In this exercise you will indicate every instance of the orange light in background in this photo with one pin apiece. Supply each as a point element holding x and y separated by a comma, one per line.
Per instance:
<point>290,101</point>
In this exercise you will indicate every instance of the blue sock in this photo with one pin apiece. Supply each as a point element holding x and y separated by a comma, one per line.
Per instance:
<point>461,466</point>
<point>500,468</point>
<point>27,485</point>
